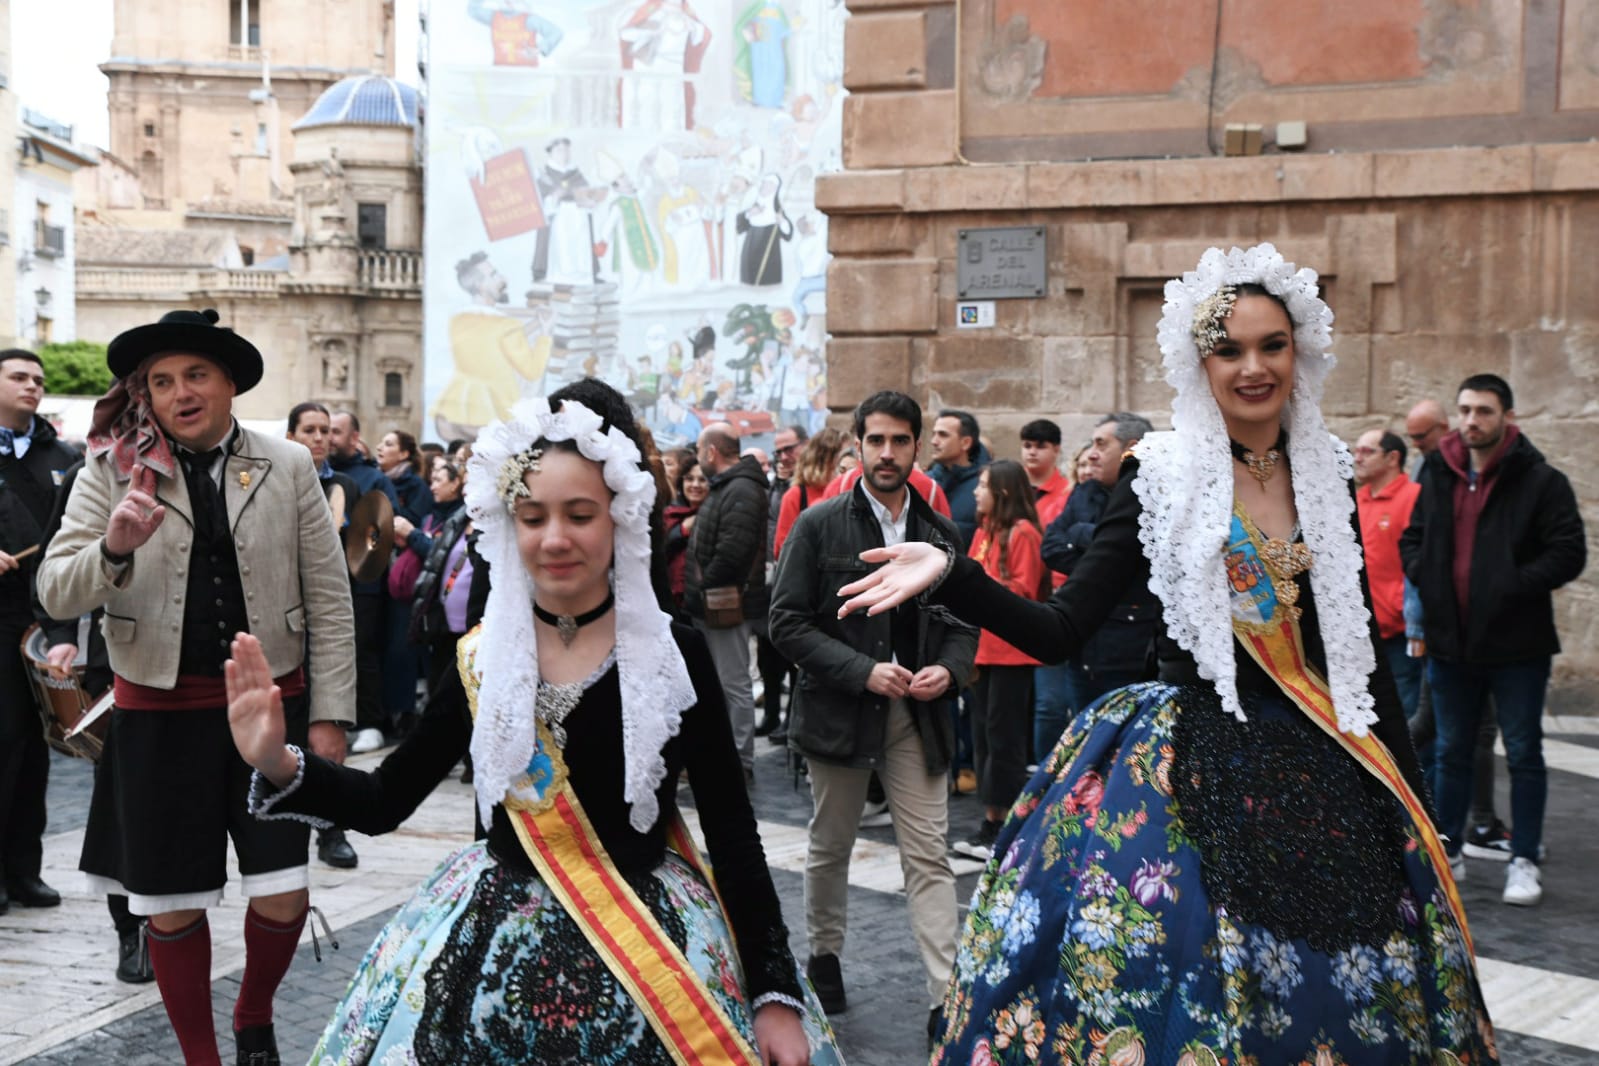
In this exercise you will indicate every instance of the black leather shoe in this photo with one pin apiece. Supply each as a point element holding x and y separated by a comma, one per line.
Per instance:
<point>133,965</point>
<point>827,977</point>
<point>5,900</point>
<point>32,892</point>
<point>768,723</point>
<point>935,1026</point>
<point>778,736</point>
<point>256,1046</point>
<point>333,849</point>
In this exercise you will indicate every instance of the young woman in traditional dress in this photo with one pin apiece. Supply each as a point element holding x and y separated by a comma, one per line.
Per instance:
<point>586,928</point>
<point>1234,863</point>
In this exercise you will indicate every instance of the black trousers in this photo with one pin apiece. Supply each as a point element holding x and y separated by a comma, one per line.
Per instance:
<point>1001,732</point>
<point>370,636</point>
<point>24,762</point>
<point>773,668</point>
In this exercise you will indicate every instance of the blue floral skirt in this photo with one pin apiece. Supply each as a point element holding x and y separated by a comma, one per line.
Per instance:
<point>1173,886</point>
<point>483,965</point>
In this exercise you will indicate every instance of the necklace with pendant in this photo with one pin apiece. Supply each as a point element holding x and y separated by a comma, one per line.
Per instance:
<point>567,625</point>
<point>1261,467</point>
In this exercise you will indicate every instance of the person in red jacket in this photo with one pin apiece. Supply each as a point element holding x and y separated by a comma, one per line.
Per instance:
<point>812,475</point>
<point>1385,499</point>
<point>1008,544</point>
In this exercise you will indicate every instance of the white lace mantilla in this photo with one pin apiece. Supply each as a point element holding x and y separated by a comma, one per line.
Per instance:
<point>1185,486</point>
<point>655,684</point>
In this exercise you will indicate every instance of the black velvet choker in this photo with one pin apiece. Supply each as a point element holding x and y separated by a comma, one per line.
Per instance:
<point>568,625</point>
<point>1261,467</point>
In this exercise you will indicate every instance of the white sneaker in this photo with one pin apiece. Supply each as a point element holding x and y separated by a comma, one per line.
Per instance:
<point>1457,867</point>
<point>1523,883</point>
<point>875,815</point>
<point>366,740</point>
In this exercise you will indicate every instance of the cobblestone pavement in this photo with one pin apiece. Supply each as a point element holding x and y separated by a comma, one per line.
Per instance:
<point>1540,965</point>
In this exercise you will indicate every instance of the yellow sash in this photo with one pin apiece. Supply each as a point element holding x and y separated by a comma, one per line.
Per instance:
<point>1266,623</point>
<point>572,861</point>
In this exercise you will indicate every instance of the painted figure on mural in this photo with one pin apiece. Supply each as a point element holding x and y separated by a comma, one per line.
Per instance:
<point>811,249</point>
<point>496,354</point>
<point>564,254</point>
<point>761,63</point>
<point>663,43</point>
<point>764,226</point>
<point>684,232</point>
<point>724,211</point>
<point>519,34</point>
<point>630,252</point>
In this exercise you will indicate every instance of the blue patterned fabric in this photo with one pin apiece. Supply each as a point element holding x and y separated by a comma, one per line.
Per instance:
<point>484,965</point>
<point>1092,936</point>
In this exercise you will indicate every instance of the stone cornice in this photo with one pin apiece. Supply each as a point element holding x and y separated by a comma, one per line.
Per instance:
<point>1440,172</point>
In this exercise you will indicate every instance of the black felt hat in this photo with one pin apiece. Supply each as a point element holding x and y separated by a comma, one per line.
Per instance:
<point>194,332</point>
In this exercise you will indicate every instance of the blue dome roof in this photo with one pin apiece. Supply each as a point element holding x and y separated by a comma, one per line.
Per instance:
<point>365,100</point>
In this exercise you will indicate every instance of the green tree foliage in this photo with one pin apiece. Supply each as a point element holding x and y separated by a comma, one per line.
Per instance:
<point>76,368</point>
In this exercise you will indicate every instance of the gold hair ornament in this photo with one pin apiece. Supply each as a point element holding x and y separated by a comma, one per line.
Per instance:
<point>1209,314</point>
<point>511,483</point>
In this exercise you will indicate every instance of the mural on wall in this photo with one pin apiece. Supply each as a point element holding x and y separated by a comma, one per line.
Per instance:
<point>625,189</point>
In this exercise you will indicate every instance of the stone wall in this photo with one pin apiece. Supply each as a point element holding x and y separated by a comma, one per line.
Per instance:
<point>1437,262</point>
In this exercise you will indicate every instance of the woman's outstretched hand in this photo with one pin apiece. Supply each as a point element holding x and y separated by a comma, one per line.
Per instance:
<point>911,568</point>
<point>255,712</point>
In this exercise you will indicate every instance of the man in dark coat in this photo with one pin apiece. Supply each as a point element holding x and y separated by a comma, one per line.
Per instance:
<point>728,552</point>
<point>32,463</point>
<point>1119,652</point>
<point>1494,532</point>
<point>873,695</point>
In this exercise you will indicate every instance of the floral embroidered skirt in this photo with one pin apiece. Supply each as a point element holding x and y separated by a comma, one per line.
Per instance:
<point>483,965</point>
<point>1173,886</point>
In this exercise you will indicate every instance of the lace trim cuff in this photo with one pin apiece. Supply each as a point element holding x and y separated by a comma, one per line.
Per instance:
<point>262,798</point>
<point>926,596</point>
<point>778,997</point>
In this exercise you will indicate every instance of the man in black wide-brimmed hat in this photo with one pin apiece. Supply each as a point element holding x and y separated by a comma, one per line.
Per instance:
<point>189,529</point>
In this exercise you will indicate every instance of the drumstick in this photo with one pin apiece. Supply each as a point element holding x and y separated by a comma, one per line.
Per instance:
<point>25,552</point>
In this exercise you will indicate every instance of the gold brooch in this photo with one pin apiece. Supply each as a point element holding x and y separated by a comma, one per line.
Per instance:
<point>244,479</point>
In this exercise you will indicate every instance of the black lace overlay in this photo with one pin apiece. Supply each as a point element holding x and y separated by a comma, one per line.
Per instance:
<point>1293,834</point>
<point>543,995</point>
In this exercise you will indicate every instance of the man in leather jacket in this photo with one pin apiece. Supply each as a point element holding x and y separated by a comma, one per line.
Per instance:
<point>872,695</point>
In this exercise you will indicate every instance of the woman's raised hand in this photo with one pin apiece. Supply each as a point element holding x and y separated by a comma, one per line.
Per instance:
<point>255,712</point>
<point>910,568</point>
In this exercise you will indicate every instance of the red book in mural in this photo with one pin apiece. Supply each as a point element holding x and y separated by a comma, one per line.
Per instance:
<point>515,42</point>
<point>506,196</point>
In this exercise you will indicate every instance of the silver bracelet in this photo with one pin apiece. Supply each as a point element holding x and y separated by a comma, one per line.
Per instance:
<point>778,997</point>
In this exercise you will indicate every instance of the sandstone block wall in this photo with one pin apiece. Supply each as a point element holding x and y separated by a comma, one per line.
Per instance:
<point>1437,262</point>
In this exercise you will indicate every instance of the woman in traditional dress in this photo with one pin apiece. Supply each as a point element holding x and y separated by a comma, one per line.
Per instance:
<point>586,927</point>
<point>1234,863</point>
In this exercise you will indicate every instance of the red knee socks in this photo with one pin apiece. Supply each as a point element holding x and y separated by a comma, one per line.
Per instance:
<point>268,951</point>
<point>182,963</point>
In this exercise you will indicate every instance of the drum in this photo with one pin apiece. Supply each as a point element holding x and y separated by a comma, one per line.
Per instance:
<point>63,703</point>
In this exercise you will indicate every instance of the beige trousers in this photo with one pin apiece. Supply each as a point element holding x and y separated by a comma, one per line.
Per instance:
<point>919,802</point>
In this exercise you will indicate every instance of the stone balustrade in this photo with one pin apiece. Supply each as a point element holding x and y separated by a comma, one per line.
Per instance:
<point>391,270</point>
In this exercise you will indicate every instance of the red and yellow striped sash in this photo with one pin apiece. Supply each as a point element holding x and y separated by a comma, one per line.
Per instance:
<point>569,856</point>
